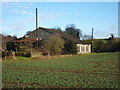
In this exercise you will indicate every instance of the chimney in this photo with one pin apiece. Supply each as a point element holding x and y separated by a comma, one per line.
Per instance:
<point>36,19</point>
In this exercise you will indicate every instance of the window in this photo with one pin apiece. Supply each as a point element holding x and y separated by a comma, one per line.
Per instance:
<point>78,48</point>
<point>82,48</point>
<point>87,48</point>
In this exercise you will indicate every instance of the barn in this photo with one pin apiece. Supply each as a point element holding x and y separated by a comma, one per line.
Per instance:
<point>43,33</point>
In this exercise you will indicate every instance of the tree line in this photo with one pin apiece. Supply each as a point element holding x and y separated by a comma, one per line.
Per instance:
<point>71,29</point>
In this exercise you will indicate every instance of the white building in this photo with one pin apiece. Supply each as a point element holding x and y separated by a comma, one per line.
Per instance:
<point>83,48</point>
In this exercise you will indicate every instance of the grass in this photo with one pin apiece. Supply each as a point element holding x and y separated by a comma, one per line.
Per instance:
<point>87,71</point>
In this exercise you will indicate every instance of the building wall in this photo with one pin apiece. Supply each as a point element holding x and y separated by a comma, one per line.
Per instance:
<point>39,33</point>
<point>83,48</point>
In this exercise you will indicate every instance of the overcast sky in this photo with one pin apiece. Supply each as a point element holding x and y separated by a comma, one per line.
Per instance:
<point>19,17</point>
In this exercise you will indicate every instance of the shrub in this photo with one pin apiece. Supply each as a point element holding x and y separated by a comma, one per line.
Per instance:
<point>24,51</point>
<point>8,54</point>
<point>109,45</point>
<point>70,48</point>
<point>54,44</point>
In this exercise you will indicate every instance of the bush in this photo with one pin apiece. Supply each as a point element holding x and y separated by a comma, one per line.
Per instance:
<point>70,48</point>
<point>8,54</point>
<point>24,51</point>
<point>109,45</point>
<point>54,44</point>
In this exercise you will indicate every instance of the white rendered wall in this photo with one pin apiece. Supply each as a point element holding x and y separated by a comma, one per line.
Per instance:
<point>79,46</point>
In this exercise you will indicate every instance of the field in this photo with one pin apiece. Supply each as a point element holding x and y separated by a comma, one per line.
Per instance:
<point>96,70</point>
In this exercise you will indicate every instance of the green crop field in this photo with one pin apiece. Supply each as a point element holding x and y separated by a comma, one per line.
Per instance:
<point>96,70</point>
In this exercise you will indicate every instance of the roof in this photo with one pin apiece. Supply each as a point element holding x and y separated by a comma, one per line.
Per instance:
<point>62,35</point>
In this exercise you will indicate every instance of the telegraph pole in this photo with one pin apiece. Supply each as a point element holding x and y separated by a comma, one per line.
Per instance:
<point>92,42</point>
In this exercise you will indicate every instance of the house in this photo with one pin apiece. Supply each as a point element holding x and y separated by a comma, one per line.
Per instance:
<point>83,48</point>
<point>4,40</point>
<point>43,33</point>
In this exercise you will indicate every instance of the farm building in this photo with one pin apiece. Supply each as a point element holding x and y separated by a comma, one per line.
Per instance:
<point>43,33</point>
